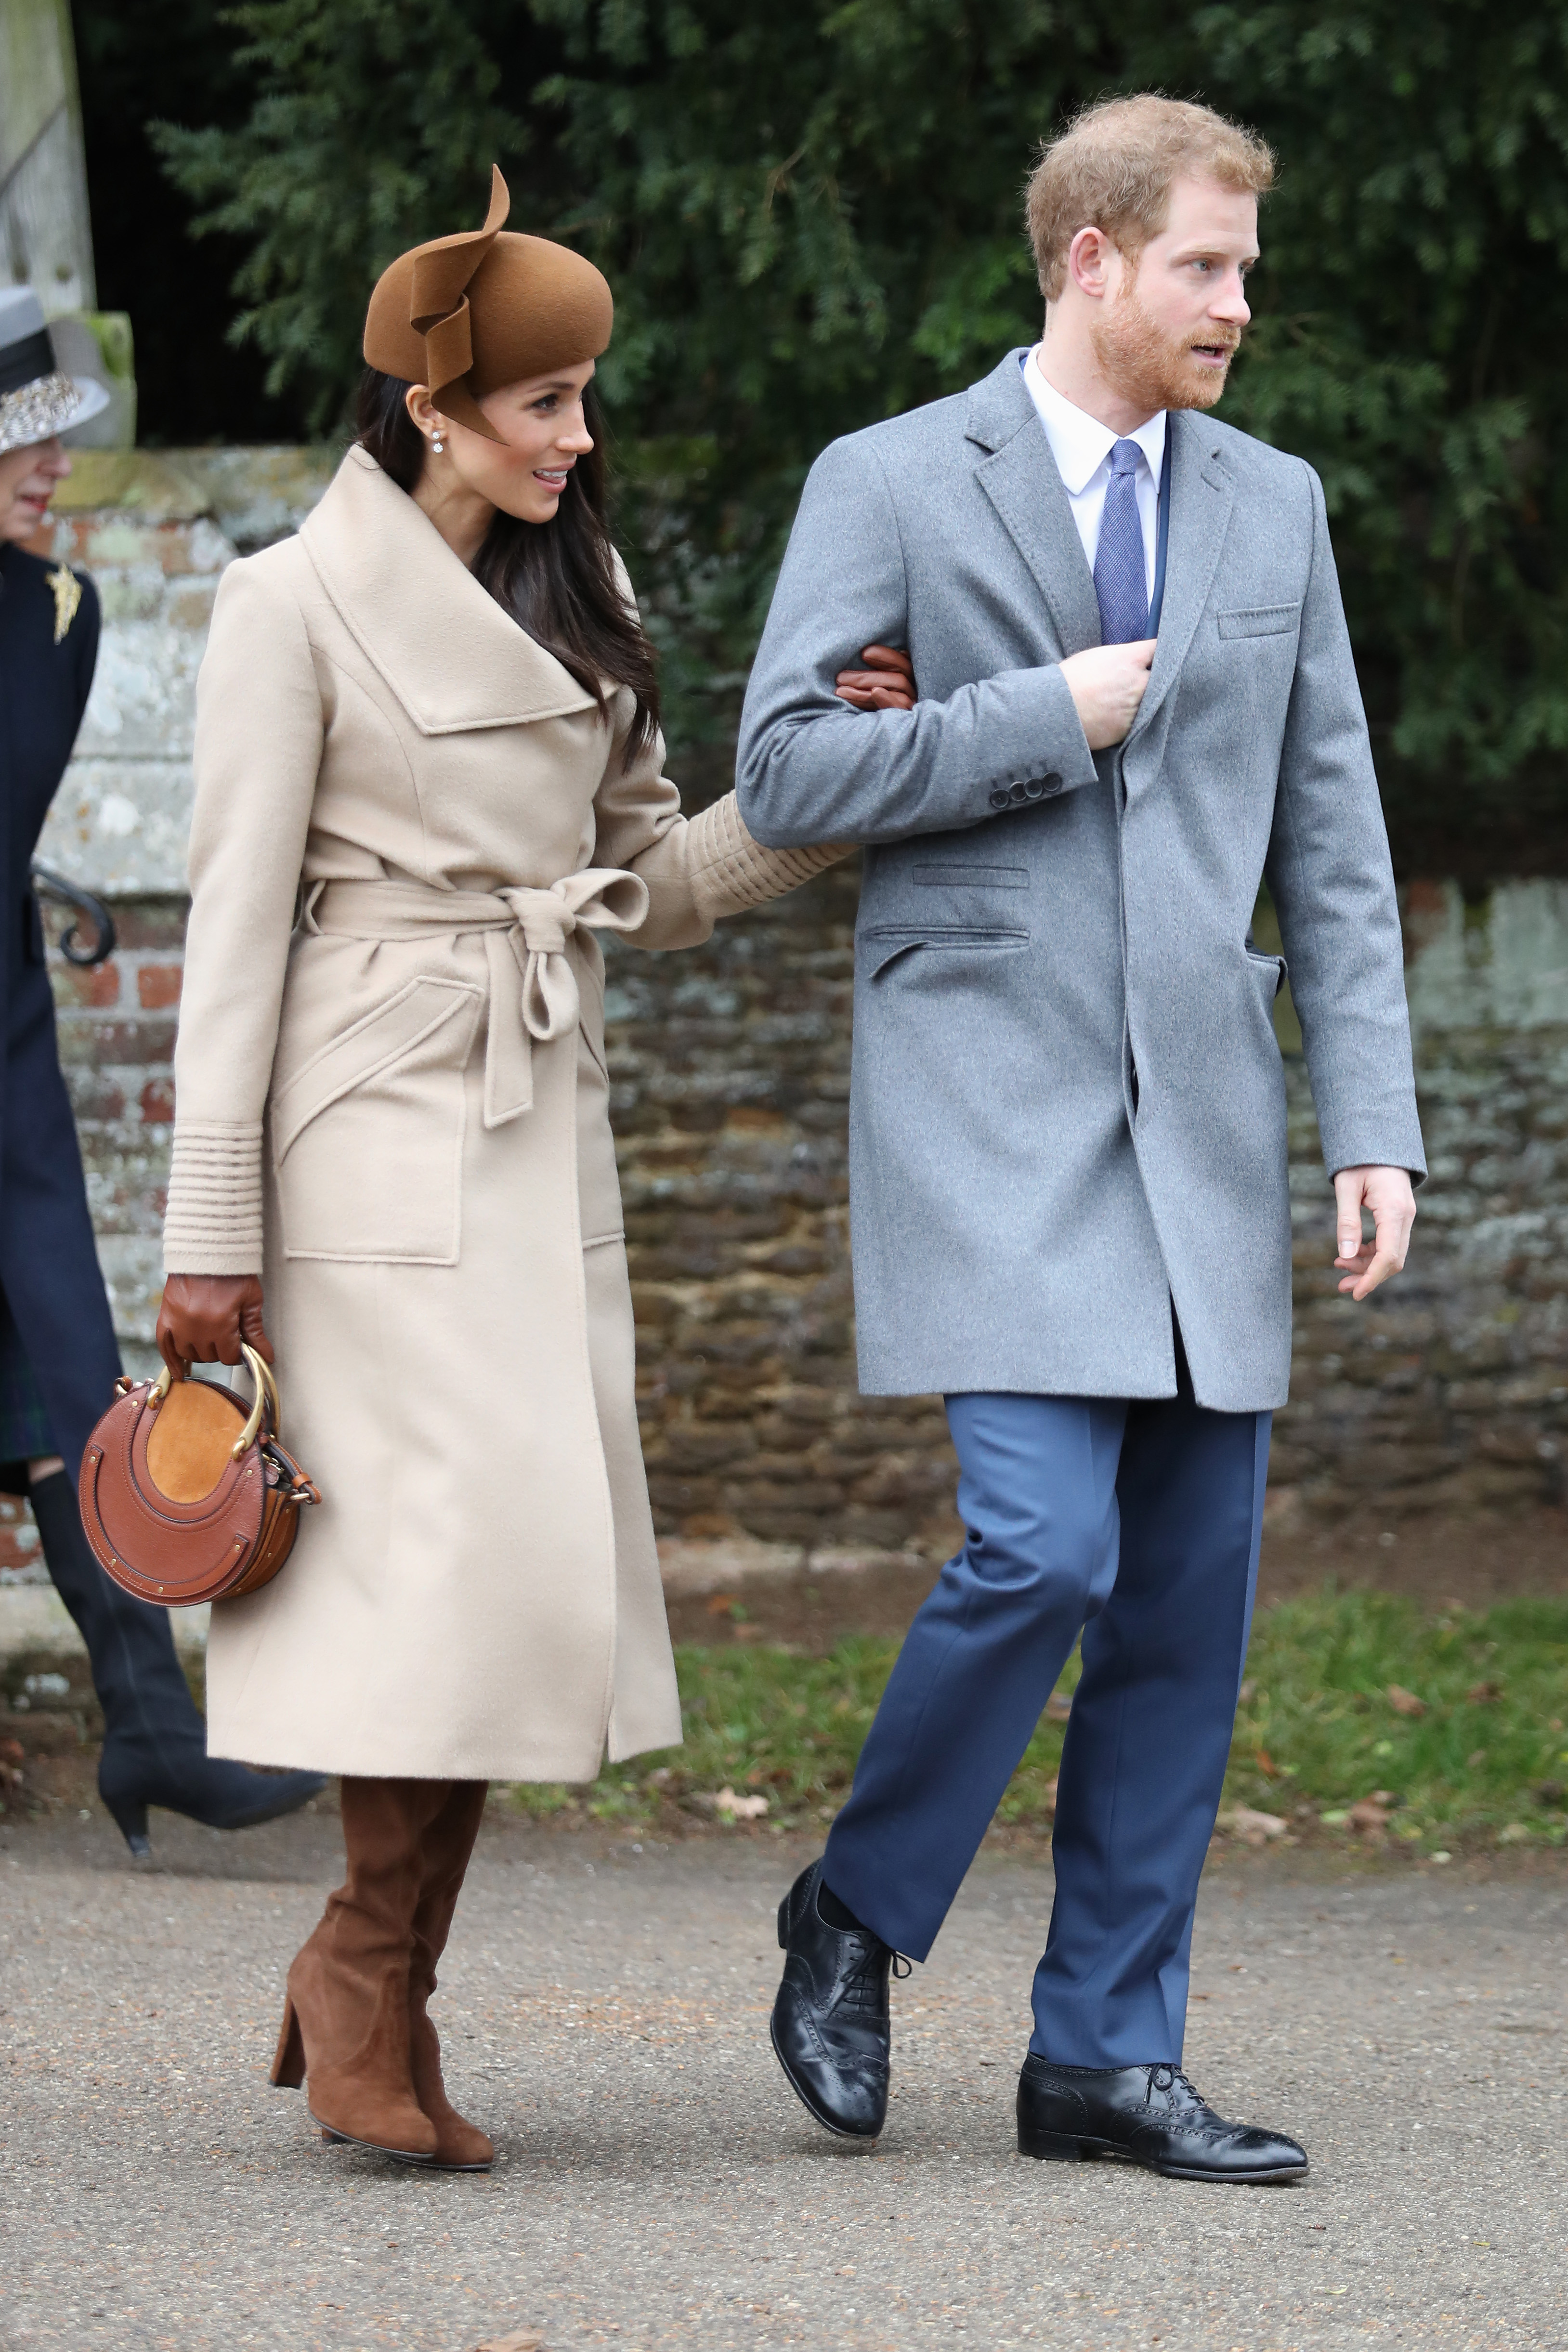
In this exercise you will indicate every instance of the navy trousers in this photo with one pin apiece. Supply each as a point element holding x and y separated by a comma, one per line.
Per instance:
<point>1137,1524</point>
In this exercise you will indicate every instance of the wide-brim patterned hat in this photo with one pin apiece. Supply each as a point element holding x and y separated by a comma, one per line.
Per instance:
<point>37,400</point>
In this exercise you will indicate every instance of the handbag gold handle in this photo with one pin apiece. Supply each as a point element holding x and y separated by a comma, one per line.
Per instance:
<point>266,1395</point>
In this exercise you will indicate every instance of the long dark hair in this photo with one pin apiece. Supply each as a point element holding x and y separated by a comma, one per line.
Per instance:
<point>557,580</point>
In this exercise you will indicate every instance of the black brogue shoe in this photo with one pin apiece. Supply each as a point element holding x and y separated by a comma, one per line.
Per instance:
<point>1144,2115</point>
<point>829,2025</point>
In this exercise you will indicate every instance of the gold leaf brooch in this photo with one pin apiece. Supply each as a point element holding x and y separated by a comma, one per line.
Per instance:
<point>68,597</point>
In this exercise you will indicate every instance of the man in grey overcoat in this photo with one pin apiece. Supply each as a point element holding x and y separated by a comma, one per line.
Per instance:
<point>1136,702</point>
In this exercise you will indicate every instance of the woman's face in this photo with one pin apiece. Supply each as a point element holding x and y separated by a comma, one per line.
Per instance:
<point>28,480</point>
<point>544,432</point>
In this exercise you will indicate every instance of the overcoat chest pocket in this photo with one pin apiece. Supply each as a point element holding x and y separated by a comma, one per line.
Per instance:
<point>1260,621</point>
<point>367,1135</point>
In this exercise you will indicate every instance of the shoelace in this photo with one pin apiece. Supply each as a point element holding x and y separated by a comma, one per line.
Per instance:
<point>1165,2077</point>
<point>863,1991</point>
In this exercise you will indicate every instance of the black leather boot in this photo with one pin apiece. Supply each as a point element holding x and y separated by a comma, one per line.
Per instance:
<point>1144,2115</point>
<point>829,2025</point>
<point>154,1741</point>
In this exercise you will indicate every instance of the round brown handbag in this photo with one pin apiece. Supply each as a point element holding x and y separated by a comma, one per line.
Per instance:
<point>185,1495</point>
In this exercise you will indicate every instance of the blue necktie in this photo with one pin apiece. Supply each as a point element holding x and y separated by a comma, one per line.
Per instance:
<point>1120,581</point>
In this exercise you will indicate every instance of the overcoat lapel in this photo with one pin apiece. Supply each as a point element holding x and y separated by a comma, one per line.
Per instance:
<point>1019,476</point>
<point>1203,491</point>
<point>445,647</point>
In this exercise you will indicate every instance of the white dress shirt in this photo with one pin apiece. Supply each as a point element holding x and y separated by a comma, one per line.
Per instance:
<point>1081,447</point>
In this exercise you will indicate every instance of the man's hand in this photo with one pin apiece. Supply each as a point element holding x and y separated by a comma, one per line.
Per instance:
<point>1387,1193</point>
<point>204,1317</point>
<point>886,682</point>
<point>1107,684</point>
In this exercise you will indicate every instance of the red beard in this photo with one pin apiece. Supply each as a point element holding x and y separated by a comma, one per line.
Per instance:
<point>1152,368</point>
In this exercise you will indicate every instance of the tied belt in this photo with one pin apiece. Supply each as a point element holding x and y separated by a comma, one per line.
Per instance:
<point>532,986</point>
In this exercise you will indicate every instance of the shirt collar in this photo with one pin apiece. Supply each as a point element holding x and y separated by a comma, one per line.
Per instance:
<point>1080,443</point>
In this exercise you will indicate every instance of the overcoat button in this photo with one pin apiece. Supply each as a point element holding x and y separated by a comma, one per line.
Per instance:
<point>1034,789</point>
<point>998,800</point>
<point>1053,783</point>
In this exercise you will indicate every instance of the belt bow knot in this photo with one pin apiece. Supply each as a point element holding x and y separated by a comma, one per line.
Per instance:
<point>534,993</point>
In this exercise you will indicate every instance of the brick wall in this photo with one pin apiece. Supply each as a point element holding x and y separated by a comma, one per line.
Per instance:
<point>730,1072</point>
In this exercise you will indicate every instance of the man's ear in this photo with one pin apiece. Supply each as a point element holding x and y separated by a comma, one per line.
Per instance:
<point>1091,260</point>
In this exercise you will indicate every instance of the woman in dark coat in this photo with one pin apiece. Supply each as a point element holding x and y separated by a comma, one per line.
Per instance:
<point>59,1361</point>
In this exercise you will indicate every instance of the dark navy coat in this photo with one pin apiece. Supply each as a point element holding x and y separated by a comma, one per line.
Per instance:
<point>59,1361</point>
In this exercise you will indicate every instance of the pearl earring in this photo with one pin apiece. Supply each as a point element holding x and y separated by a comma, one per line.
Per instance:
<point>438,444</point>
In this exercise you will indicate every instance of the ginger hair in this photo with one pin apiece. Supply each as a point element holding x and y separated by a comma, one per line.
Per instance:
<point>1112,169</point>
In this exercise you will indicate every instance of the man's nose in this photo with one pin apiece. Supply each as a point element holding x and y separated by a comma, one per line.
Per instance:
<point>1231,304</point>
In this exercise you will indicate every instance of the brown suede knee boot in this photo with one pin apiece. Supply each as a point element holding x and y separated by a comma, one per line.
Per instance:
<point>448,1843</point>
<point>346,2020</point>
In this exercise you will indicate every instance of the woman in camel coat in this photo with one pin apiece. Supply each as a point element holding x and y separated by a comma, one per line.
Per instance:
<point>427,768</point>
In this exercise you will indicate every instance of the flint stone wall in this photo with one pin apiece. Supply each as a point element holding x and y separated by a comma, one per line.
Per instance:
<point>730,1072</point>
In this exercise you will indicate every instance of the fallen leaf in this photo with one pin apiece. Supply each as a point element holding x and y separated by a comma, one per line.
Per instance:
<point>720,1603</point>
<point>525,2339</point>
<point>1058,1706</point>
<point>1369,1818</point>
<point>1405,1702</point>
<point>1250,1826</point>
<point>1246,1693</point>
<point>1483,1693</point>
<point>1051,1795</point>
<point>1266,1764</point>
<point>739,1809</point>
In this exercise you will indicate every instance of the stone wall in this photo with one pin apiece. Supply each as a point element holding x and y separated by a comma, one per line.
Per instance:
<point>730,1070</point>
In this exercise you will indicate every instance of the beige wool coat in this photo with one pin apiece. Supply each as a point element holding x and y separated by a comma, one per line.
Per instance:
<point>392,1100</point>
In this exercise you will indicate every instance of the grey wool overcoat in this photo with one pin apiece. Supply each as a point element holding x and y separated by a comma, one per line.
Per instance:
<point>411,823</point>
<point>1068,1104</point>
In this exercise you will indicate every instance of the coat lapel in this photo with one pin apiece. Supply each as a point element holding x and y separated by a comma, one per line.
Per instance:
<point>1203,491</point>
<point>1019,476</point>
<point>443,644</point>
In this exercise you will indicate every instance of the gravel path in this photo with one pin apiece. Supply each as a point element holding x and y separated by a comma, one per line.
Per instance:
<point>605,2012</point>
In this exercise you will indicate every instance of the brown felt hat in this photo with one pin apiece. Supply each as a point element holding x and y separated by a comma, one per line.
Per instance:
<point>466,314</point>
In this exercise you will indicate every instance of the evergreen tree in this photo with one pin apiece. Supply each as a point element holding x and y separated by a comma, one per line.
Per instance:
<point>812,218</point>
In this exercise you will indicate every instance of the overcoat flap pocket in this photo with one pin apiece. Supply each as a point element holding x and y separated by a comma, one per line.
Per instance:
<point>882,943</point>
<point>1261,620</point>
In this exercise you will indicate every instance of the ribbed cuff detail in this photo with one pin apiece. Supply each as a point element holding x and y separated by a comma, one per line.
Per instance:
<point>731,871</point>
<point>213,1223</point>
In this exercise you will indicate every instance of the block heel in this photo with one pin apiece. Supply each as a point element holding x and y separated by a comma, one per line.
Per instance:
<point>288,2061</point>
<point>1056,2148</point>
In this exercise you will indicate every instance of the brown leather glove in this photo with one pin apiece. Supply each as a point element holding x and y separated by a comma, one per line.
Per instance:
<point>886,682</point>
<point>204,1317</point>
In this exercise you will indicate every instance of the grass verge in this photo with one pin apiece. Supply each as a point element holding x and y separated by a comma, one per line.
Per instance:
<point>1454,1724</point>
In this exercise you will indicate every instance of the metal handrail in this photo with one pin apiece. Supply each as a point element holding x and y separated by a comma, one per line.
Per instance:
<point>48,883</point>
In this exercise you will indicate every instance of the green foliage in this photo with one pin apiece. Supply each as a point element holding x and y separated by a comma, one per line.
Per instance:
<point>1316,1729</point>
<point>1489,1751</point>
<point>811,217</point>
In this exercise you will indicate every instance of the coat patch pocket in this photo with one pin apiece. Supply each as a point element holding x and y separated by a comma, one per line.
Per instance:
<point>1263,621</point>
<point>367,1136</point>
<point>884,944</point>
